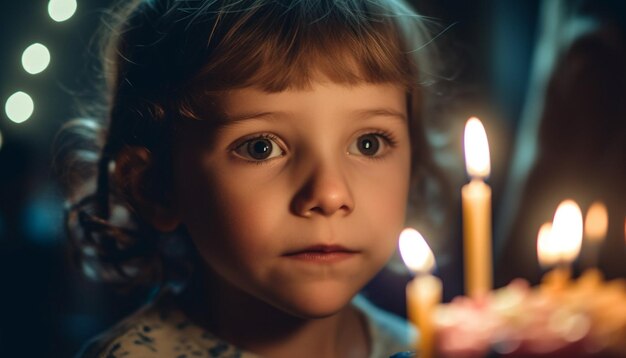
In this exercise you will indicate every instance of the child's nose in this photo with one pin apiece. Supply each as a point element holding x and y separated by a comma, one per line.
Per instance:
<point>325,192</point>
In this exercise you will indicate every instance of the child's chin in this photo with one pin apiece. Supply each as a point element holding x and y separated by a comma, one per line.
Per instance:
<point>311,313</point>
<point>317,306</point>
<point>317,312</point>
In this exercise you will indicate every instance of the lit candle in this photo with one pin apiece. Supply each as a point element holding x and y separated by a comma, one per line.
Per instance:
<point>423,293</point>
<point>567,228</point>
<point>476,197</point>
<point>559,245</point>
<point>548,252</point>
<point>549,255</point>
<point>596,226</point>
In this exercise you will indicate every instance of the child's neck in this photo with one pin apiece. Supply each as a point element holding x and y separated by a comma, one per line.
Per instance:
<point>255,326</point>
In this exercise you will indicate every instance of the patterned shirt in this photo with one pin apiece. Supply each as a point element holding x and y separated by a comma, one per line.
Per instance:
<point>160,329</point>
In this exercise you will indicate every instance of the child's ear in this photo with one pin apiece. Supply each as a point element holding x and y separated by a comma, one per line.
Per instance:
<point>137,178</point>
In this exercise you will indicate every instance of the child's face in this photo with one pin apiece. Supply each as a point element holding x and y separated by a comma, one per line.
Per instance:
<point>299,199</point>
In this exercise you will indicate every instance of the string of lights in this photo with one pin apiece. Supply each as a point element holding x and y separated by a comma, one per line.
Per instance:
<point>20,106</point>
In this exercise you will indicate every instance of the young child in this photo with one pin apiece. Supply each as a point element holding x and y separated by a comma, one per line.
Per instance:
<point>280,140</point>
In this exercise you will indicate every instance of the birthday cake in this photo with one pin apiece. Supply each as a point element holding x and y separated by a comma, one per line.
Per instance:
<point>585,317</point>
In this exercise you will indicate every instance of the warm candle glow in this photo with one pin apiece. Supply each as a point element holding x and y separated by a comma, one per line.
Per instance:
<point>423,293</point>
<point>415,252</point>
<point>596,222</point>
<point>477,159</point>
<point>567,230</point>
<point>548,251</point>
<point>476,201</point>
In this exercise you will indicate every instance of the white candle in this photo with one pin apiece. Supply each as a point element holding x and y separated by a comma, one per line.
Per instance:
<point>558,245</point>
<point>476,197</point>
<point>423,293</point>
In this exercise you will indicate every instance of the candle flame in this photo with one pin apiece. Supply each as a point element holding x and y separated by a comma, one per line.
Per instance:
<point>477,159</point>
<point>567,230</point>
<point>415,252</point>
<point>596,222</point>
<point>548,251</point>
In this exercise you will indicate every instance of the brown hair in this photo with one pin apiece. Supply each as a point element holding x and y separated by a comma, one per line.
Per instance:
<point>167,61</point>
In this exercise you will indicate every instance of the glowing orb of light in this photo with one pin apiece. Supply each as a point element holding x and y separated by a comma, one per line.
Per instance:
<point>19,107</point>
<point>35,58</point>
<point>61,10</point>
<point>596,222</point>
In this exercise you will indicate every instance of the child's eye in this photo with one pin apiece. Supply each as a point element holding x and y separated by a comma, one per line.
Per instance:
<point>259,148</point>
<point>370,145</point>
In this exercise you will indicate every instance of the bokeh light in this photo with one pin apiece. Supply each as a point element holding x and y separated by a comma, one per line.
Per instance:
<point>596,222</point>
<point>567,229</point>
<point>61,10</point>
<point>35,58</point>
<point>19,107</point>
<point>548,250</point>
<point>0,140</point>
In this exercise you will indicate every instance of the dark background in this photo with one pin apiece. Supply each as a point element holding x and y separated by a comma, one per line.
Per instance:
<point>48,309</point>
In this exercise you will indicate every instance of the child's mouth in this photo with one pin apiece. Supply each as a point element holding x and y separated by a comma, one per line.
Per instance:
<point>322,253</point>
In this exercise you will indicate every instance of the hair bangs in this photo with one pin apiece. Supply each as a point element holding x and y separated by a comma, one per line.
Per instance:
<point>280,47</point>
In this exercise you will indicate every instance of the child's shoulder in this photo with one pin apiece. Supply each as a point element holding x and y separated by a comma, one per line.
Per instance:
<point>159,329</point>
<point>388,332</point>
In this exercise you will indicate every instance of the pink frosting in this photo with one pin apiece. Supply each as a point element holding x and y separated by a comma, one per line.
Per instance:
<point>585,318</point>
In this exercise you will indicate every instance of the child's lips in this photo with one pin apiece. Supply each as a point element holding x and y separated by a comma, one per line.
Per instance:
<point>322,253</point>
